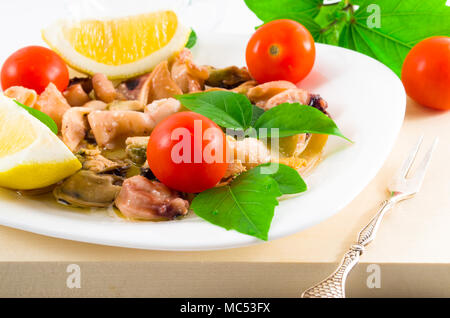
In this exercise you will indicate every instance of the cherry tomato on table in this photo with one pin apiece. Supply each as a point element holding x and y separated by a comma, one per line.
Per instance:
<point>35,67</point>
<point>426,72</point>
<point>281,50</point>
<point>187,152</point>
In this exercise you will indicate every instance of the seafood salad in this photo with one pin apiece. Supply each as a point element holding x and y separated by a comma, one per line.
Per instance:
<point>118,136</point>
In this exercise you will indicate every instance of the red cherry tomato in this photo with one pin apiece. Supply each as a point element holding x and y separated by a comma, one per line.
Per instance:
<point>281,50</point>
<point>35,67</point>
<point>187,152</point>
<point>426,72</point>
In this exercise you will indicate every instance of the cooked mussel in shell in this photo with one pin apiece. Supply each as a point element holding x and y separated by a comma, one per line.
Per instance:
<point>87,189</point>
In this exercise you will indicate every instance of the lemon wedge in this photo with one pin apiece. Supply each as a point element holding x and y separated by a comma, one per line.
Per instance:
<point>119,48</point>
<point>31,155</point>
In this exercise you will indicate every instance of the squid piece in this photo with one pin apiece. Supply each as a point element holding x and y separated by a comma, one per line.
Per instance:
<point>96,105</point>
<point>126,105</point>
<point>150,87</point>
<point>23,95</point>
<point>112,128</point>
<point>271,94</point>
<point>136,89</point>
<point>163,108</point>
<point>76,96</point>
<point>85,82</point>
<point>292,95</point>
<point>260,94</point>
<point>53,103</point>
<point>161,83</point>
<point>188,76</point>
<point>104,88</point>
<point>75,127</point>
<point>143,199</point>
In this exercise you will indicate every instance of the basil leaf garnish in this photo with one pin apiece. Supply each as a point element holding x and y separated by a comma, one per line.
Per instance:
<point>227,109</point>
<point>43,117</point>
<point>294,119</point>
<point>247,205</point>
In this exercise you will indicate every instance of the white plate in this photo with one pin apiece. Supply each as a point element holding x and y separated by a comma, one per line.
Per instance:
<point>366,100</point>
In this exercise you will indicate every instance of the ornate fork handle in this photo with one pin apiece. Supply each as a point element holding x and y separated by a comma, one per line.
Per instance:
<point>334,285</point>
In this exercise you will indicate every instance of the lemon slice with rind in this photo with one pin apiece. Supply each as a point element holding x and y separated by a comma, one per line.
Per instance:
<point>31,155</point>
<point>119,48</point>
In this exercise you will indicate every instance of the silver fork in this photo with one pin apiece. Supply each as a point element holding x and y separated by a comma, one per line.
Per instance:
<point>402,187</point>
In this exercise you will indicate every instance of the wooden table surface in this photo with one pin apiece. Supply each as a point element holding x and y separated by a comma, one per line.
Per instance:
<point>410,256</point>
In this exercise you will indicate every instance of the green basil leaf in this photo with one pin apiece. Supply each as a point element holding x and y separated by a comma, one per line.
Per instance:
<point>313,27</point>
<point>227,109</point>
<point>331,19</point>
<point>293,119</point>
<point>257,112</point>
<point>43,117</point>
<point>192,39</point>
<point>288,179</point>
<point>301,11</point>
<point>402,24</point>
<point>247,205</point>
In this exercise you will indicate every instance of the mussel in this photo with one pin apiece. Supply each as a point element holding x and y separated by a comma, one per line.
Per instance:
<point>87,189</point>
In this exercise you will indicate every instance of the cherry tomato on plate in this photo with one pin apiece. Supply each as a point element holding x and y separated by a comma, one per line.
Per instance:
<point>35,67</point>
<point>426,72</point>
<point>187,152</point>
<point>281,50</point>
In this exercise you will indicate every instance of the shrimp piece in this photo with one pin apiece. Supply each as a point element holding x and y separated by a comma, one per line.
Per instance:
<point>76,96</point>
<point>75,127</point>
<point>251,152</point>
<point>260,94</point>
<point>23,95</point>
<point>163,108</point>
<point>293,95</point>
<point>143,199</point>
<point>188,76</point>
<point>161,83</point>
<point>112,128</point>
<point>53,103</point>
<point>103,88</point>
